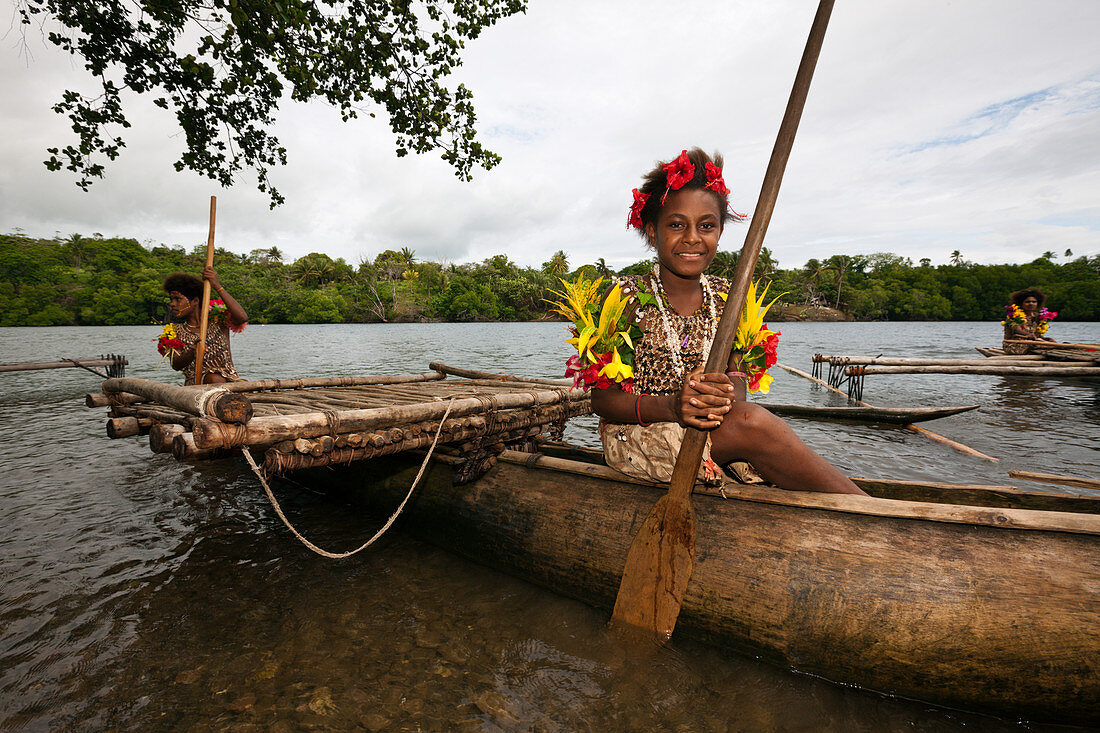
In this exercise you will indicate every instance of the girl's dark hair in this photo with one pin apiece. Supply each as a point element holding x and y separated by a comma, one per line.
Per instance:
<point>187,285</point>
<point>655,183</point>
<point>1020,296</point>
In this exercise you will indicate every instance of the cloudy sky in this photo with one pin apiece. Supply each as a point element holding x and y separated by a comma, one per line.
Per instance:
<point>931,126</point>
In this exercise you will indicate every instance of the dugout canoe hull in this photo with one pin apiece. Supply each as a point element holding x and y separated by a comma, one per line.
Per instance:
<point>976,607</point>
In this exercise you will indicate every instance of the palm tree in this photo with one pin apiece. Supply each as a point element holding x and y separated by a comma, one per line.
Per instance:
<point>275,254</point>
<point>408,256</point>
<point>75,243</point>
<point>1069,253</point>
<point>1048,255</point>
<point>839,264</point>
<point>601,265</point>
<point>956,258</point>
<point>557,265</point>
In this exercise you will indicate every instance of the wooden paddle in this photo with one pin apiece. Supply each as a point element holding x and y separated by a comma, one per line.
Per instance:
<point>662,555</point>
<point>204,317</point>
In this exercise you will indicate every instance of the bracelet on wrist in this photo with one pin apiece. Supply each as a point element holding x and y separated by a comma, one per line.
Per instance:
<point>638,412</point>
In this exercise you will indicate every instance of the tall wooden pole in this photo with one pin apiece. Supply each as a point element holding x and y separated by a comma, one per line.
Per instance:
<point>662,555</point>
<point>204,317</point>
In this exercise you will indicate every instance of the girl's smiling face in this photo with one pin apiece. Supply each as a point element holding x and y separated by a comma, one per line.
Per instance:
<point>686,233</point>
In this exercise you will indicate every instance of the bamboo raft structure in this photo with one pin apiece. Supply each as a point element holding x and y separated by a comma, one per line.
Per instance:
<point>889,592</point>
<point>114,363</point>
<point>852,370</point>
<point>308,423</point>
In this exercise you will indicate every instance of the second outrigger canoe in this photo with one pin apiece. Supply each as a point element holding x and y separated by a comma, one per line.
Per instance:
<point>978,597</point>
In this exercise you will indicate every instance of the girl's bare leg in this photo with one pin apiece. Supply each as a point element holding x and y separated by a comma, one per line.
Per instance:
<point>751,433</point>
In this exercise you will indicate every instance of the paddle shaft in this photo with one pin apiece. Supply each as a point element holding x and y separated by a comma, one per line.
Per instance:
<point>691,451</point>
<point>661,557</point>
<point>204,316</point>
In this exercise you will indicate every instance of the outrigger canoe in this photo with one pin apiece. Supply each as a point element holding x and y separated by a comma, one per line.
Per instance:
<point>976,597</point>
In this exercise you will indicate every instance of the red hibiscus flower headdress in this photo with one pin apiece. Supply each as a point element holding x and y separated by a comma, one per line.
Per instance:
<point>679,173</point>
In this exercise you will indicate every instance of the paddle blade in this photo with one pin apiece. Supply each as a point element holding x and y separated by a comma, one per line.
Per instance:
<point>658,567</point>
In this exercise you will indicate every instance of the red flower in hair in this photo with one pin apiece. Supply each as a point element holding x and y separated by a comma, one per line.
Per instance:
<point>679,172</point>
<point>635,219</point>
<point>714,180</point>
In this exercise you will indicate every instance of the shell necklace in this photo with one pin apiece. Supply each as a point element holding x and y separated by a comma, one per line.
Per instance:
<point>670,338</point>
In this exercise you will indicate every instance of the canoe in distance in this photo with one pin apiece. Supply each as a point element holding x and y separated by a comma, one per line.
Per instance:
<point>894,415</point>
<point>981,598</point>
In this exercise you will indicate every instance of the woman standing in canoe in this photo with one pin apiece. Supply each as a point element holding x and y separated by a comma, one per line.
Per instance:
<point>226,314</point>
<point>657,330</point>
<point>1026,320</point>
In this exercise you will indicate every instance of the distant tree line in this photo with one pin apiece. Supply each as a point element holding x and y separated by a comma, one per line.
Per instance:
<point>96,280</point>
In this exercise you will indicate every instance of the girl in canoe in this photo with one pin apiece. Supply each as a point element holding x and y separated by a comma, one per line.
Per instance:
<point>226,314</point>
<point>1026,320</point>
<point>662,324</point>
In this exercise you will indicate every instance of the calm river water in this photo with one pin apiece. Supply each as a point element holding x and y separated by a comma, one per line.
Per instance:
<point>137,593</point>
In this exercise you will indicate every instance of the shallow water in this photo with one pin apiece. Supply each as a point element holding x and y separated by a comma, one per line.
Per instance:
<point>140,593</point>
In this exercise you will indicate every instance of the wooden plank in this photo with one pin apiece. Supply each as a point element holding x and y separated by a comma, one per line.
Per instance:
<point>1084,483</point>
<point>1032,371</point>
<point>27,366</point>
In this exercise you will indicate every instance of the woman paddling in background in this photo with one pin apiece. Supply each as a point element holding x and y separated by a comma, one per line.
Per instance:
<point>1026,320</point>
<point>681,210</point>
<point>185,301</point>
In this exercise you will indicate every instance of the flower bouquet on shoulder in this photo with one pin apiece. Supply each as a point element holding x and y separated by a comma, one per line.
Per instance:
<point>602,333</point>
<point>218,309</point>
<point>1045,317</point>
<point>758,344</point>
<point>169,343</point>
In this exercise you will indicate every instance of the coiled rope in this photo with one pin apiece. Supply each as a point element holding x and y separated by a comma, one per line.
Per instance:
<point>379,533</point>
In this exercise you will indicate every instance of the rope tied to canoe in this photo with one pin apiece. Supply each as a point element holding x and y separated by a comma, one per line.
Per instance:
<point>380,532</point>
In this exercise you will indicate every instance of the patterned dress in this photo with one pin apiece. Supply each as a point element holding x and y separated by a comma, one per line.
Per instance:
<point>216,358</point>
<point>649,452</point>
<point>1011,343</point>
<point>654,367</point>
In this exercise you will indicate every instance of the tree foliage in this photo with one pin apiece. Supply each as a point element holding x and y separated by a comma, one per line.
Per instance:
<point>223,67</point>
<point>92,280</point>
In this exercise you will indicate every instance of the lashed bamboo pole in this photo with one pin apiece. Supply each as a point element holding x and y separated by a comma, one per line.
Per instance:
<point>914,428</point>
<point>184,449</point>
<point>1056,345</point>
<point>476,374</point>
<point>270,430</point>
<point>305,383</point>
<point>161,436</point>
<point>905,361</point>
<point>194,400</point>
<point>98,399</point>
<point>1053,371</point>
<point>124,427</point>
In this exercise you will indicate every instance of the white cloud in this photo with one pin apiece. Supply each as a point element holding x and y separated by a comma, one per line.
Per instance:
<point>930,127</point>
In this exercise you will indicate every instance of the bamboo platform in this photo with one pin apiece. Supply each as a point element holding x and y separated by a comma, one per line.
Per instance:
<point>1053,362</point>
<point>308,423</point>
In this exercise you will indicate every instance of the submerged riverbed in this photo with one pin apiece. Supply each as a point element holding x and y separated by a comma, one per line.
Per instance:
<point>140,593</point>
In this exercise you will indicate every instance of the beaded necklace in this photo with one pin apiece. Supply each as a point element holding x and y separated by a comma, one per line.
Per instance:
<point>666,322</point>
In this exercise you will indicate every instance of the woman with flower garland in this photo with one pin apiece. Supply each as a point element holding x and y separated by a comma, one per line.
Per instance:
<point>226,314</point>
<point>663,323</point>
<point>1026,320</point>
